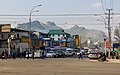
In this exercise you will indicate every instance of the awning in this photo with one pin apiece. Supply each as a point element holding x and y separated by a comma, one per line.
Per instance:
<point>117,51</point>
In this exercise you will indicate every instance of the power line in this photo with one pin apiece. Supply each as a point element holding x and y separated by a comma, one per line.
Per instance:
<point>58,15</point>
<point>103,6</point>
<point>93,14</point>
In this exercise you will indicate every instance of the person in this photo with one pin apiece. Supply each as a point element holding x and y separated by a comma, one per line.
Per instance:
<point>3,55</point>
<point>28,54</point>
<point>33,54</point>
<point>42,54</point>
<point>102,57</point>
<point>14,54</point>
<point>24,54</point>
<point>6,54</point>
<point>80,55</point>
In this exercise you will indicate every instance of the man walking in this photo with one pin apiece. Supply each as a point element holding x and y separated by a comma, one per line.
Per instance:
<point>80,56</point>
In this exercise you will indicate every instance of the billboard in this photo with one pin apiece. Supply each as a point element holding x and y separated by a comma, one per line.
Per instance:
<point>107,44</point>
<point>5,27</point>
<point>78,40</point>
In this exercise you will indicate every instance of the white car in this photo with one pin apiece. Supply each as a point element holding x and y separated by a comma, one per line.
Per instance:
<point>30,55</point>
<point>94,55</point>
<point>50,54</point>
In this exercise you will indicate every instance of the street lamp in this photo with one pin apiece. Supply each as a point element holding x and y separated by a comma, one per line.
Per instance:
<point>104,21</point>
<point>31,12</point>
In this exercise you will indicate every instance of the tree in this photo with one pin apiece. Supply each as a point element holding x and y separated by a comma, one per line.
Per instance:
<point>117,33</point>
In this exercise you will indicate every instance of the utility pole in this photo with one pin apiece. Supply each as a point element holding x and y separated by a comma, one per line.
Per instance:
<point>109,31</point>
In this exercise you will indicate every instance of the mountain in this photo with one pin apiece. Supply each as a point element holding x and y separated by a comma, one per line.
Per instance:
<point>36,25</point>
<point>51,25</point>
<point>94,35</point>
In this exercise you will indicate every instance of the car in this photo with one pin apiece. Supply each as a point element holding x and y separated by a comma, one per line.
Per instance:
<point>94,55</point>
<point>59,54</point>
<point>30,54</point>
<point>50,54</point>
<point>80,52</point>
<point>69,53</point>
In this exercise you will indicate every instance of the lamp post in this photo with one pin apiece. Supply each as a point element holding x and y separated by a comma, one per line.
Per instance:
<point>9,41</point>
<point>104,21</point>
<point>31,12</point>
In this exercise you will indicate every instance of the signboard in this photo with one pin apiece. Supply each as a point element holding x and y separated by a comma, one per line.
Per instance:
<point>5,28</point>
<point>107,44</point>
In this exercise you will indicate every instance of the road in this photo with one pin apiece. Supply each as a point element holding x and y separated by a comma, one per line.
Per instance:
<point>57,66</point>
<point>75,56</point>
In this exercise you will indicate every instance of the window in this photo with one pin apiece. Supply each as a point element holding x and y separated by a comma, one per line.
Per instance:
<point>52,38</point>
<point>2,36</point>
<point>58,34</point>
<point>53,34</point>
<point>18,35</point>
<point>58,38</point>
<point>9,35</point>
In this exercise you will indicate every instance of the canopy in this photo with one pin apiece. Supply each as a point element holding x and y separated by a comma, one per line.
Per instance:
<point>117,51</point>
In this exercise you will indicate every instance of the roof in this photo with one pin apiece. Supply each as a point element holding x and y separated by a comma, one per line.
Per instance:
<point>19,30</point>
<point>57,31</point>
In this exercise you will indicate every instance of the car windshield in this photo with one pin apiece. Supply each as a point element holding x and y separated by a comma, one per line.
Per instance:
<point>59,52</point>
<point>50,52</point>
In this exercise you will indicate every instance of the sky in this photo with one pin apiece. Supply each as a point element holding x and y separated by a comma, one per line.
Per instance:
<point>23,7</point>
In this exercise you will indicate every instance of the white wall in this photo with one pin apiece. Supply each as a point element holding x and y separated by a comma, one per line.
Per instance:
<point>56,37</point>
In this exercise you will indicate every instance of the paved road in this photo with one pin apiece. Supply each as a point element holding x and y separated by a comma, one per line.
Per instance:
<point>57,66</point>
<point>75,56</point>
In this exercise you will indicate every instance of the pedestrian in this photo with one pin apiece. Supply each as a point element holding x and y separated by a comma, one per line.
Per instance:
<point>24,54</point>
<point>14,54</point>
<point>42,54</point>
<point>80,55</point>
<point>28,54</point>
<point>6,54</point>
<point>33,54</point>
<point>3,55</point>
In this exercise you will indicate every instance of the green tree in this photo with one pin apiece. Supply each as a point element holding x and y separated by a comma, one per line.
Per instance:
<point>117,33</point>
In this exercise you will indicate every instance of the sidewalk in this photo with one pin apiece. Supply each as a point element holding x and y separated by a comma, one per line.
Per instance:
<point>108,60</point>
<point>114,60</point>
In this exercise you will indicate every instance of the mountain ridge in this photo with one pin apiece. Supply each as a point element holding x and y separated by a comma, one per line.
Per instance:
<point>95,35</point>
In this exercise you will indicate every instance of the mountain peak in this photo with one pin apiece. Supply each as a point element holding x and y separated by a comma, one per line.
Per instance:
<point>77,27</point>
<point>51,23</point>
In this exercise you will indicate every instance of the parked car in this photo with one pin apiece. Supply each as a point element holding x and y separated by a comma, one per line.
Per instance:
<point>83,53</point>
<point>50,54</point>
<point>59,54</point>
<point>94,55</point>
<point>37,54</point>
<point>69,53</point>
<point>30,54</point>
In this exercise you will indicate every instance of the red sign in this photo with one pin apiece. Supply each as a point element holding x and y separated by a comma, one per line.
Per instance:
<point>107,44</point>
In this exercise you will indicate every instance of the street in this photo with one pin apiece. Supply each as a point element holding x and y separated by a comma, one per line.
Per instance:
<point>57,66</point>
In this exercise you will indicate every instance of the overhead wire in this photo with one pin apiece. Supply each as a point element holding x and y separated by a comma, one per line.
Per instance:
<point>103,6</point>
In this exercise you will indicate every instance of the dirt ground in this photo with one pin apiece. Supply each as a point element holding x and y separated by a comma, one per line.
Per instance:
<point>57,66</point>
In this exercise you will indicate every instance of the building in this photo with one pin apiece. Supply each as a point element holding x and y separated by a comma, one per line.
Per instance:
<point>58,37</point>
<point>11,38</point>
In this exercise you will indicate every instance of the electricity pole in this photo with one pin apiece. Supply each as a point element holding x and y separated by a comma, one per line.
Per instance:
<point>109,31</point>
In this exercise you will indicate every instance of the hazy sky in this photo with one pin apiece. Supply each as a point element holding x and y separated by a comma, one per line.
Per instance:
<point>21,7</point>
